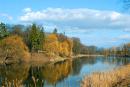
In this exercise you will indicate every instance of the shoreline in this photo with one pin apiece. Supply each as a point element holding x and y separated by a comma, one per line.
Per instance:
<point>73,57</point>
<point>38,57</point>
<point>81,55</point>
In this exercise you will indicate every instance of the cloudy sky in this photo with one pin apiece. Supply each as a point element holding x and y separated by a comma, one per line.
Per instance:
<point>102,23</point>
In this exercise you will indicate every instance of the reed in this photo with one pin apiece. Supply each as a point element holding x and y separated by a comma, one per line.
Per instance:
<point>14,83</point>
<point>107,79</point>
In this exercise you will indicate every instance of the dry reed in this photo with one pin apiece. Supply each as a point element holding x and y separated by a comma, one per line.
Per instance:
<point>107,79</point>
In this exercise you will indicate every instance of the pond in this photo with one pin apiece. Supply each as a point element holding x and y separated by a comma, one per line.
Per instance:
<point>68,73</point>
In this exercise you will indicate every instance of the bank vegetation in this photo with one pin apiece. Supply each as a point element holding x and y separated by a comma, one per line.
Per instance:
<point>113,78</point>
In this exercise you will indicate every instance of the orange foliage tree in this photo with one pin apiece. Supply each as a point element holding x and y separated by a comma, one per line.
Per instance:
<point>13,47</point>
<point>51,45</point>
<point>65,48</point>
<point>55,47</point>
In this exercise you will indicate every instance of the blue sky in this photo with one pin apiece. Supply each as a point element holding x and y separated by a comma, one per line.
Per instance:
<point>96,22</point>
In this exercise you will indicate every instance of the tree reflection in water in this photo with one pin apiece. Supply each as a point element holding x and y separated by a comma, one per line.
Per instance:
<point>13,75</point>
<point>49,74</point>
<point>78,63</point>
<point>54,74</point>
<point>34,76</point>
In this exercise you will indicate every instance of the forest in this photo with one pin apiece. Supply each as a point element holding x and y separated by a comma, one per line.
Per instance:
<point>20,41</point>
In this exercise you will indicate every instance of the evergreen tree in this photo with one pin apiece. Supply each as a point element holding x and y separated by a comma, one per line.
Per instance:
<point>55,31</point>
<point>36,38</point>
<point>17,30</point>
<point>33,37</point>
<point>42,38</point>
<point>3,31</point>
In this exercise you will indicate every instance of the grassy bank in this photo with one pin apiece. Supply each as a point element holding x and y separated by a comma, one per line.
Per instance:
<point>107,79</point>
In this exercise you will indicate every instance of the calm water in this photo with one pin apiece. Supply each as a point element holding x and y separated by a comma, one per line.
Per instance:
<point>62,74</point>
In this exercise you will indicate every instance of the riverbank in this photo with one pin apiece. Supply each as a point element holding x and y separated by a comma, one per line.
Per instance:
<point>82,55</point>
<point>59,59</point>
<point>115,78</point>
<point>42,58</point>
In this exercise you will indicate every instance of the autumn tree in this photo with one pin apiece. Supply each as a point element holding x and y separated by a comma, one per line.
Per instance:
<point>126,49</point>
<point>26,37</point>
<point>65,48</point>
<point>51,45</point>
<point>76,46</point>
<point>61,37</point>
<point>55,47</point>
<point>17,30</point>
<point>13,47</point>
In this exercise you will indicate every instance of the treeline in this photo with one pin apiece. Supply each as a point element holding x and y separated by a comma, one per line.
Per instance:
<point>79,48</point>
<point>120,51</point>
<point>18,40</point>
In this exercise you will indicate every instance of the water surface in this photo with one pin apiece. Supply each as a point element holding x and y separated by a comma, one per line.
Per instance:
<point>61,74</point>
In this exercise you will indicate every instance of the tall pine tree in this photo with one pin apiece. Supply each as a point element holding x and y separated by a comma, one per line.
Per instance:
<point>36,38</point>
<point>3,31</point>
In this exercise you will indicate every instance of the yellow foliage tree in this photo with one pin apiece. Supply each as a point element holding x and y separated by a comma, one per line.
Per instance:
<point>51,45</point>
<point>65,48</point>
<point>54,47</point>
<point>14,47</point>
<point>70,43</point>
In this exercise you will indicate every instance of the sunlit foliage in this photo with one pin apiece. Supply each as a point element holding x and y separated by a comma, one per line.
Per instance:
<point>55,47</point>
<point>13,47</point>
<point>51,45</point>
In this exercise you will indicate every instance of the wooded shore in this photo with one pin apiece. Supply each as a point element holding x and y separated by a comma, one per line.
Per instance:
<point>39,57</point>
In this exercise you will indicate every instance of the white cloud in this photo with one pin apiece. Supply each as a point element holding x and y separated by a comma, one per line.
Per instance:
<point>125,37</point>
<point>84,23</point>
<point>27,10</point>
<point>81,17</point>
<point>6,16</point>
